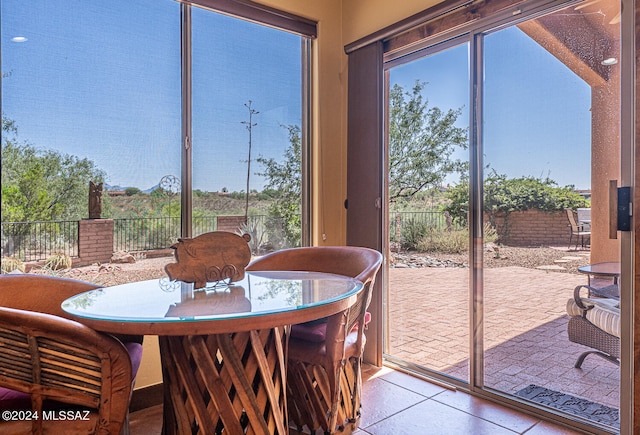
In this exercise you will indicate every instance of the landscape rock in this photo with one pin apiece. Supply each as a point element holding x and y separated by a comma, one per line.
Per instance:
<point>122,257</point>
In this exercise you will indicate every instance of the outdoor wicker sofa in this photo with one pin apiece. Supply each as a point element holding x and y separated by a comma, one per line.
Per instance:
<point>594,321</point>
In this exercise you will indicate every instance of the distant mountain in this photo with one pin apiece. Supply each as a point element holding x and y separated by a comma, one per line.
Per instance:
<point>152,188</point>
<point>116,188</point>
<point>122,188</point>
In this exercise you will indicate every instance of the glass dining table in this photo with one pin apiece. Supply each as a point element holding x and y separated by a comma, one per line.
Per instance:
<point>222,348</point>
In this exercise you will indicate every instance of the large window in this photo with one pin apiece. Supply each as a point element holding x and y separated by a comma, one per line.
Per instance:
<point>247,126</point>
<point>159,105</point>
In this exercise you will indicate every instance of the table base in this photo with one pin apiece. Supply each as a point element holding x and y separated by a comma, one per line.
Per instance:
<point>227,382</point>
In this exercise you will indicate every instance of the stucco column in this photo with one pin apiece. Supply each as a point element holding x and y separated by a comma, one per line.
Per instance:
<point>605,164</point>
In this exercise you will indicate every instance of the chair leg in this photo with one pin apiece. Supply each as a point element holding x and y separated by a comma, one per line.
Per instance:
<point>581,358</point>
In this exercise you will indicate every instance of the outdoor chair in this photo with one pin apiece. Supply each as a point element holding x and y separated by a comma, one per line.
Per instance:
<point>595,322</point>
<point>584,218</point>
<point>53,365</point>
<point>577,231</point>
<point>324,377</point>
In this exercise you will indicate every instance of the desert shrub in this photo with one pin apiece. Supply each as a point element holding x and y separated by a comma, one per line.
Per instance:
<point>257,235</point>
<point>490,233</point>
<point>9,264</point>
<point>454,241</point>
<point>57,261</point>
<point>504,195</point>
<point>449,242</point>
<point>412,232</point>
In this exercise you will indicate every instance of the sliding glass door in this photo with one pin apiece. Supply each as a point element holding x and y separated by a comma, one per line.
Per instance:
<point>544,124</point>
<point>527,214</point>
<point>428,140</point>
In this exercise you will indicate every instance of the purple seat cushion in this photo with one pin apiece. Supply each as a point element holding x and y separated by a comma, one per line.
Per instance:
<point>316,332</point>
<point>135,354</point>
<point>10,400</point>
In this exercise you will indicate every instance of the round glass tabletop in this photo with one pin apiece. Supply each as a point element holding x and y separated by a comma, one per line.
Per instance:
<point>258,294</point>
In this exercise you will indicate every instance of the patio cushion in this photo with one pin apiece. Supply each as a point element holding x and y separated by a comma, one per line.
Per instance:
<point>605,313</point>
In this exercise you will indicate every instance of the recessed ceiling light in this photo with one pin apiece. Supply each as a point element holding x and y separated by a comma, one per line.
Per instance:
<point>609,61</point>
<point>19,39</point>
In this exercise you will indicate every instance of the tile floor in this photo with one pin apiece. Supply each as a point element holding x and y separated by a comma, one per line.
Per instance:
<point>395,403</point>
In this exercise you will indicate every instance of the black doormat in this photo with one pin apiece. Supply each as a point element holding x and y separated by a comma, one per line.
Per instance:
<point>572,405</point>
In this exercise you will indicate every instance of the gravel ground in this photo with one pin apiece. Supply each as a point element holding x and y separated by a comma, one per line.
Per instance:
<point>499,257</point>
<point>143,269</point>
<point>120,273</point>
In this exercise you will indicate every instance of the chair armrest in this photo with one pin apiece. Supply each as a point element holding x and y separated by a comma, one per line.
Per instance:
<point>578,299</point>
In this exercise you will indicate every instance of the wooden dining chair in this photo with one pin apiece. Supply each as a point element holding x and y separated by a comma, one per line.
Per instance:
<point>76,379</point>
<point>325,357</point>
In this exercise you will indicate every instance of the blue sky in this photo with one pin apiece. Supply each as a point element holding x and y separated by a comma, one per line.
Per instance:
<point>102,80</point>
<point>537,119</point>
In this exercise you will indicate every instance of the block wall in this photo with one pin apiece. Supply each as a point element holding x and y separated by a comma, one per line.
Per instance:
<point>533,228</point>
<point>230,224</point>
<point>95,241</point>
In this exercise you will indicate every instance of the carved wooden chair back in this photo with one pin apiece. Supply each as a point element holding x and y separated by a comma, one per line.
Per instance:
<point>210,258</point>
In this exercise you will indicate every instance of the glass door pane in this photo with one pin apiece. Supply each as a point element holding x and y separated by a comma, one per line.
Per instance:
<point>247,130</point>
<point>550,144</point>
<point>428,298</point>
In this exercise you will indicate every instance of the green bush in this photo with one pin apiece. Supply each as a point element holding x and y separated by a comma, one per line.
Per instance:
<point>412,232</point>
<point>504,195</point>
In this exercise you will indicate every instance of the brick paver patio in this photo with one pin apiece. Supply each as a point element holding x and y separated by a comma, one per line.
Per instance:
<point>525,329</point>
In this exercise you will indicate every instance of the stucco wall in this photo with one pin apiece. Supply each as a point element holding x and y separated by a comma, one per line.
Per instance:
<point>329,118</point>
<point>363,17</point>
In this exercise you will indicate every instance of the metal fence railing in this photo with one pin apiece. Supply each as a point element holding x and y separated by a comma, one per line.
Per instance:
<point>140,234</point>
<point>143,234</point>
<point>34,241</point>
